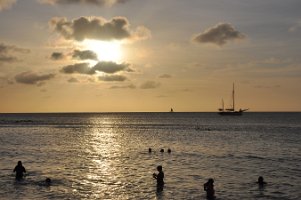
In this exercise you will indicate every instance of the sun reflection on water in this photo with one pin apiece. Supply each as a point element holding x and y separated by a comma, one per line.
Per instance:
<point>104,149</point>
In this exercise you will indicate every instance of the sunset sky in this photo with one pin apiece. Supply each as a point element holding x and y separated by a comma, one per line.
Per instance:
<point>149,55</point>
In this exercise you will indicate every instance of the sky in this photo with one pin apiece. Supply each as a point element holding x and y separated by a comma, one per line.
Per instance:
<point>149,55</point>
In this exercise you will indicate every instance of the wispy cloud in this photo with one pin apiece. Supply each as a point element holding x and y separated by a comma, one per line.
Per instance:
<point>98,28</point>
<point>131,86</point>
<point>150,85</point>
<point>165,76</point>
<point>8,52</point>
<point>73,80</point>
<point>219,35</point>
<point>92,2</point>
<point>6,4</point>
<point>295,27</point>
<point>112,78</point>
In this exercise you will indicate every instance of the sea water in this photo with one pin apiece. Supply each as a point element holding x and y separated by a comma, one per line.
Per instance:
<point>105,155</point>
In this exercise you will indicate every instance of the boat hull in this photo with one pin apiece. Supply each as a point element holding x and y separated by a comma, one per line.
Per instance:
<point>235,113</point>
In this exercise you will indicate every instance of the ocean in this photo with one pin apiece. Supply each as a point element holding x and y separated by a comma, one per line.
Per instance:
<point>105,155</point>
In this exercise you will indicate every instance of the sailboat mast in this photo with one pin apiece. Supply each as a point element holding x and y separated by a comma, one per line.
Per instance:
<point>233,98</point>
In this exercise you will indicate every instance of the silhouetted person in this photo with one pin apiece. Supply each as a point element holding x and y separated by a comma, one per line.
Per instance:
<point>159,177</point>
<point>169,151</point>
<point>19,169</point>
<point>149,150</point>
<point>261,182</point>
<point>162,150</point>
<point>209,188</point>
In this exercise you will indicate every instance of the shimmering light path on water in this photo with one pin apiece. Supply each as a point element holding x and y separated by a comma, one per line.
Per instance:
<point>105,156</point>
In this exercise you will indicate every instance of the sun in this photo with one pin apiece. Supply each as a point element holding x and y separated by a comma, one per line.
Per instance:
<point>105,50</point>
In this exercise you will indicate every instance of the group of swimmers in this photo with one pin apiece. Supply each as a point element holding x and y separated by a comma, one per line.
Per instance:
<point>208,186</point>
<point>161,150</point>
<point>20,171</point>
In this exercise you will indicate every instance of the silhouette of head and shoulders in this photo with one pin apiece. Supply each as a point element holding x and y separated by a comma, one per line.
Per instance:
<point>209,188</point>
<point>20,170</point>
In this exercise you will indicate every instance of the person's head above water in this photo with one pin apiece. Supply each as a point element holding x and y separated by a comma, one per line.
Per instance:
<point>210,181</point>
<point>261,180</point>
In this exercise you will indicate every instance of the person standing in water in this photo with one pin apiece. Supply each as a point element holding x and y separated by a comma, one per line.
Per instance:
<point>261,182</point>
<point>159,177</point>
<point>19,169</point>
<point>209,188</point>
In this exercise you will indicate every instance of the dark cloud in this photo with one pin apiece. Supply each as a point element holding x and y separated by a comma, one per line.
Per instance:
<point>165,76</point>
<point>131,86</point>
<point>111,67</point>
<point>84,55</point>
<point>57,56</point>
<point>6,4</point>
<point>103,66</point>
<point>112,78</point>
<point>80,68</point>
<point>219,35</point>
<point>8,52</point>
<point>33,78</point>
<point>97,28</point>
<point>150,85</point>
<point>93,2</point>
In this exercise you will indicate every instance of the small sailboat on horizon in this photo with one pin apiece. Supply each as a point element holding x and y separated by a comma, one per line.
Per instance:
<point>231,110</point>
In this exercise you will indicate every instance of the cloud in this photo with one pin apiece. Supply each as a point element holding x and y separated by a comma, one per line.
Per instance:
<point>111,67</point>
<point>8,52</point>
<point>33,78</point>
<point>131,86</point>
<point>295,27</point>
<point>6,4</point>
<point>84,55</point>
<point>103,66</point>
<point>80,68</point>
<point>57,56</point>
<point>112,78</point>
<point>118,28</point>
<point>92,2</point>
<point>73,80</point>
<point>165,76</point>
<point>219,35</point>
<point>150,85</point>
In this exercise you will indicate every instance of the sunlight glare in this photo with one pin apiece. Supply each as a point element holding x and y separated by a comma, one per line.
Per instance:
<point>105,50</point>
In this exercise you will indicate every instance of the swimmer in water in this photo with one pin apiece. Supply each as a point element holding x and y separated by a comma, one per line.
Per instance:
<point>261,182</point>
<point>209,188</point>
<point>159,176</point>
<point>47,181</point>
<point>19,169</point>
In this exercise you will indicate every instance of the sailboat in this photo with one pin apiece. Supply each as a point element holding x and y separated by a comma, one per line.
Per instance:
<point>231,110</point>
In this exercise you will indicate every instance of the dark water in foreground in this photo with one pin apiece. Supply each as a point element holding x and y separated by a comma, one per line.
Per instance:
<point>105,155</point>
